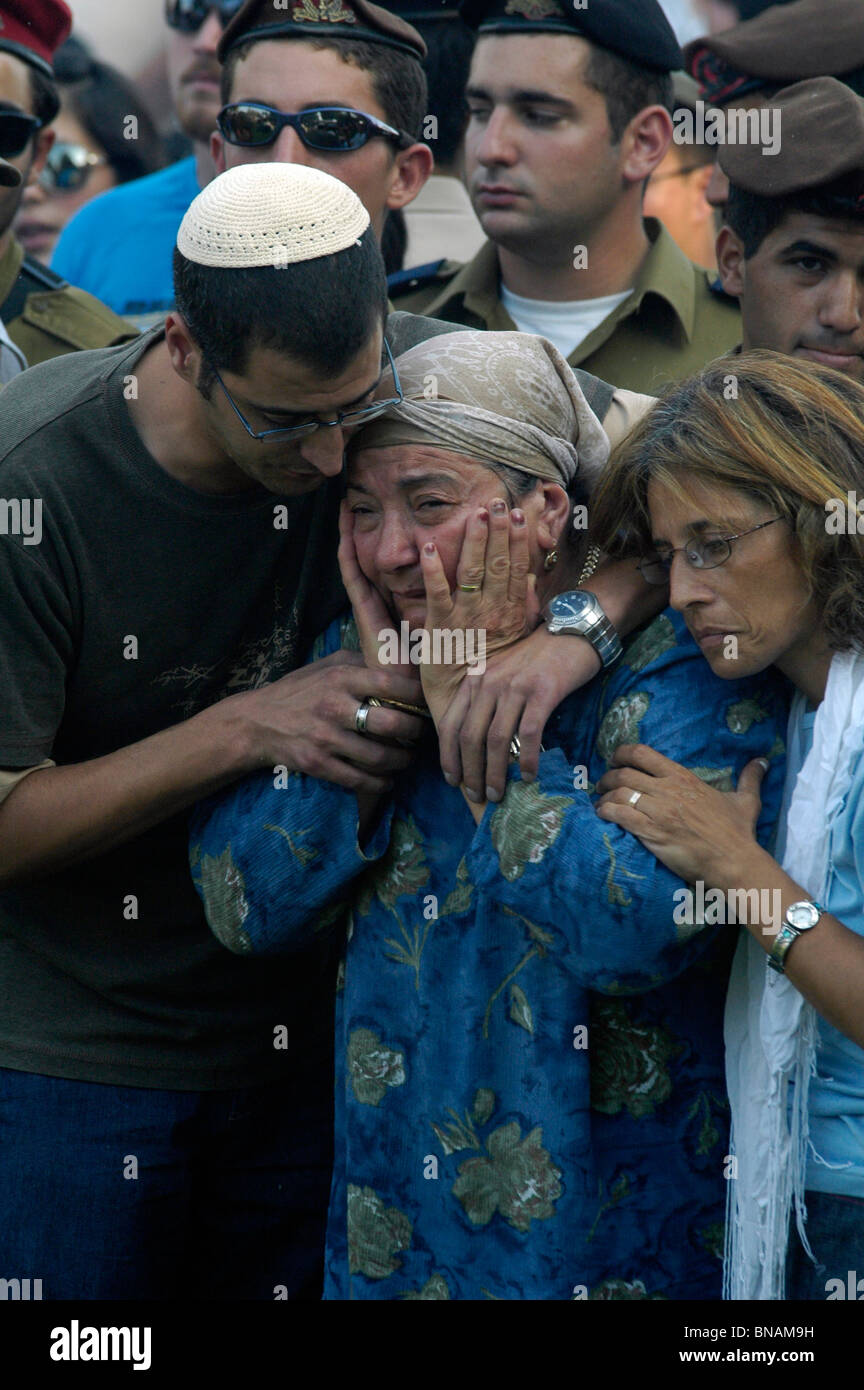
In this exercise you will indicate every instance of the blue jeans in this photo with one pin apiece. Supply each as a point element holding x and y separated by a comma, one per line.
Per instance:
<point>835,1230</point>
<point>119,1192</point>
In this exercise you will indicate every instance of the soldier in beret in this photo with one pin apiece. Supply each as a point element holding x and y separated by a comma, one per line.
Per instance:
<point>44,315</point>
<point>744,67</point>
<point>792,246</point>
<point>349,75</point>
<point>568,117</point>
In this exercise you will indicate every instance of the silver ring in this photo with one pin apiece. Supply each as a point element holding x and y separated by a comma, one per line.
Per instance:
<point>634,797</point>
<point>515,748</point>
<point>361,717</point>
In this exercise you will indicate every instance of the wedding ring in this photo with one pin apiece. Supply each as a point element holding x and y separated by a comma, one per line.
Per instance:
<point>634,797</point>
<point>515,748</point>
<point>361,717</point>
<point>470,588</point>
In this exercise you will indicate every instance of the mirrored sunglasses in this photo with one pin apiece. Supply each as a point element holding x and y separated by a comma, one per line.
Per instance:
<point>16,128</point>
<point>250,124</point>
<point>189,15</point>
<point>68,167</point>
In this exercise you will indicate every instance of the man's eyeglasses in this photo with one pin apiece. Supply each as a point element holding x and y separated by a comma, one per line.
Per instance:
<point>16,128</point>
<point>343,417</point>
<point>189,15</point>
<point>68,167</point>
<point>253,125</point>
<point>700,555</point>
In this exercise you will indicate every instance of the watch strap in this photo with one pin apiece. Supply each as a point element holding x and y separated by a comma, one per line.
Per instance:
<point>783,941</point>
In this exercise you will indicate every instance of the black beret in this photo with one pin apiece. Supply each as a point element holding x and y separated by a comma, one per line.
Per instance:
<point>820,125</point>
<point>635,29</point>
<point>344,19</point>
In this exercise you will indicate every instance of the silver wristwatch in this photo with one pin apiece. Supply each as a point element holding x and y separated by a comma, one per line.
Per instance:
<point>800,917</point>
<point>579,612</point>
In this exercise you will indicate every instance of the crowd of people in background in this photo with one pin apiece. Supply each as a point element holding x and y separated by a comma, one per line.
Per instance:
<point>333,967</point>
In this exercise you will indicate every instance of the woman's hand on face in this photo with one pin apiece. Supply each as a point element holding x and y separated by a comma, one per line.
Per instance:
<point>371,615</point>
<point>699,833</point>
<point>495,594</point>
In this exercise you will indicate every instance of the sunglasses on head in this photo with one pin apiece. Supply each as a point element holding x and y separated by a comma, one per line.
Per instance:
<point>253,125</point>
<point>16,128</point>
<point>68,167</point>
<point>189,15</point>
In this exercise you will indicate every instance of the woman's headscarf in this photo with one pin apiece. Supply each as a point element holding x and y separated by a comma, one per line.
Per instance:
<point>499,398</point>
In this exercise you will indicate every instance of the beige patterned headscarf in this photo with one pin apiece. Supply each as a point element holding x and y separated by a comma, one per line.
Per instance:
<point>499,398</point>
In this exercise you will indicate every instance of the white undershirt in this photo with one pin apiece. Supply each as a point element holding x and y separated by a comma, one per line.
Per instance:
<point>12,359</point>
<point>565,323</point>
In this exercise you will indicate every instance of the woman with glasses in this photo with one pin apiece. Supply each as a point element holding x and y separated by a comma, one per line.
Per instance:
<point>742,489</point>
<point>91,150</point>
<point>529,1098</point>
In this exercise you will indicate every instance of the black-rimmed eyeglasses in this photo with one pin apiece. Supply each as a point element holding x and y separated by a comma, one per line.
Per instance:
<point>336,129</point>
<point>343,417</point>
<point>700,555</point>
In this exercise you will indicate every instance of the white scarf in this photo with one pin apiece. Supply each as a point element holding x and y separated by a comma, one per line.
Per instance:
<point>771,1032</point>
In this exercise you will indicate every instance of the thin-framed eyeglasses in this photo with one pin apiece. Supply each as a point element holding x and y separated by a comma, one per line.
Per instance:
<point>188,15</point>
<point>339,129</point>
<point>700,555</point>
<point>343,417</point>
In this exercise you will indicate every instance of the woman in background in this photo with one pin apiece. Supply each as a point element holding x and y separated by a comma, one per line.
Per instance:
<point>95,147</point>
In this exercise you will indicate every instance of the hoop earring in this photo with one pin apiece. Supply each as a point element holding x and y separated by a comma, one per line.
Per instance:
<point>550,561</point>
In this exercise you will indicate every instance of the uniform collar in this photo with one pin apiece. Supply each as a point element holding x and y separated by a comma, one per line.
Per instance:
<point>666,275</point>
<point>10,267</point>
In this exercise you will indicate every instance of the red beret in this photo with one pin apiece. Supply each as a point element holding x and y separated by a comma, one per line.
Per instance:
<point>34,29</point>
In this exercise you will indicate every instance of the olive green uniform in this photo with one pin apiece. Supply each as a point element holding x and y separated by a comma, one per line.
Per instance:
<point>46,317</point>
<point>670,326</point>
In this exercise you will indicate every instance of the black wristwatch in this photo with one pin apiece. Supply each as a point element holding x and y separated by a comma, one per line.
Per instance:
<point>579,612</point>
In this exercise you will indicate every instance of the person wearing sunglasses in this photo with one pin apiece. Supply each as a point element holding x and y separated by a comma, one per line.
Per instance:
<point>44,315</point>
<point>90,153</point>
<point>93,249</point>
<point>349,98</point>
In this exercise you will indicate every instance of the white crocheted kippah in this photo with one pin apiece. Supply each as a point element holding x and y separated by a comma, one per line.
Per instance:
<point>270,214</point>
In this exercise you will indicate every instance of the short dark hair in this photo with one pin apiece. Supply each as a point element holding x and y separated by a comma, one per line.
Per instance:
<point>398,80</point>
<point>753,216</point>
<point>449,45</point>
<point>626,87</point>
<point>320,312</point>
<point>44,95</point>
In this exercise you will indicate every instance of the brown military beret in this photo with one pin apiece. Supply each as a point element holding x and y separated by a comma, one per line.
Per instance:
<point>786,43</point>
<point>821,140</point>
<point>345,19</point>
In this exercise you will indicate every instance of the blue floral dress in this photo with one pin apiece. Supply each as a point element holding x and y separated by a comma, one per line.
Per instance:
<point>529,1075</point>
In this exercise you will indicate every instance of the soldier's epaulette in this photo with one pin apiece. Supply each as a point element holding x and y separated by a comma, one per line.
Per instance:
<point>32,277</point>
<point>715,285</point>
<point>414,279</point>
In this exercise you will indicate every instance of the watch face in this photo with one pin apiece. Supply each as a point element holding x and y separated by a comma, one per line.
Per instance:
<point>569,606</point>
<point>802,916</point>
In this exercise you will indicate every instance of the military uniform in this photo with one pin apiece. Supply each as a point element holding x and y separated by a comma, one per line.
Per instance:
<point>46,317</point>
<point>672,324</point>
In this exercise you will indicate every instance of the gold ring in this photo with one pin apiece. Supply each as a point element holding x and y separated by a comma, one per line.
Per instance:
<point>470,588</point>
<point>399,704</point>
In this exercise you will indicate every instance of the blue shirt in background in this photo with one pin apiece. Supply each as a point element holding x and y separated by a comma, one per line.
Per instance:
<point>119,246</point>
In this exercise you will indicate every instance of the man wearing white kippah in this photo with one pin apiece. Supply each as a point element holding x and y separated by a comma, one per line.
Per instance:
<point>152,630</point>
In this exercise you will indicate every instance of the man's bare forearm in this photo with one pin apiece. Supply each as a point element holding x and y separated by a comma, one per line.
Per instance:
<point>61,815</point>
